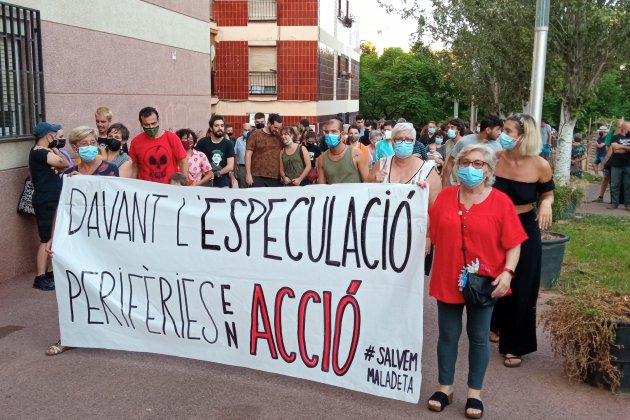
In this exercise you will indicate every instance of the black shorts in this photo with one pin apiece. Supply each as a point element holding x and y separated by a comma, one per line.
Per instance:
<point>45,215</point>
<point>261,181</point>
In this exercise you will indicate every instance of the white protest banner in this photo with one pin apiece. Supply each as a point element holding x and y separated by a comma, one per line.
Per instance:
<point>321,282</point>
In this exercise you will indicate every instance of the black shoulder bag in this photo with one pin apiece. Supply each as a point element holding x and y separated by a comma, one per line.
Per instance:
<point>478,288</point>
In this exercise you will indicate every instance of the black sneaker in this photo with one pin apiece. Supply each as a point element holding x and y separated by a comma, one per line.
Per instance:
<point>43,283</point>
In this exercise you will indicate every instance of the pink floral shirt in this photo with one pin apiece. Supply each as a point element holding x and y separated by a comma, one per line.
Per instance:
<point>198,165</point>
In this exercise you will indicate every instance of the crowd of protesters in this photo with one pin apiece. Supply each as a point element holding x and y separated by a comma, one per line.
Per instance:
<point>490,194</point>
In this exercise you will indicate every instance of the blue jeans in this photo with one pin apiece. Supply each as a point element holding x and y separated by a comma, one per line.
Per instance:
<point>450,327</point>
<point>619,176</point>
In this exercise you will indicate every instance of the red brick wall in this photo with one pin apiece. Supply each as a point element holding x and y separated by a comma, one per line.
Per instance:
<point>232,70</point>
<point>297,70</point>
<point>230,12</point>
<point>326,73</point>
<point>342,89</point>
<point>237,122</point>
<point>297,12</point>
<point>354,91</point>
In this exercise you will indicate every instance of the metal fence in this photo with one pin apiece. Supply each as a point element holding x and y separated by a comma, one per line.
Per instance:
<point>262,83</point>
<point>21,75</point>
<point>262,10</point>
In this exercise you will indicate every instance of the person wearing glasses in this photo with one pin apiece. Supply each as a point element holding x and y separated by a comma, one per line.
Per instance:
<point>406,167</point>
<point>527,179</point>
<point>470,223</point>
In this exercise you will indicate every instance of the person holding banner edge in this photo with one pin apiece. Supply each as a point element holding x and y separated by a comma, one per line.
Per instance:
<point>405,167</point>
<point>482,221</point>
<point>83,140</point>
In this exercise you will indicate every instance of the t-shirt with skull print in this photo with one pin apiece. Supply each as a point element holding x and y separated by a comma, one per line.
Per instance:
<point>157,158</point>
<point>218,154</point>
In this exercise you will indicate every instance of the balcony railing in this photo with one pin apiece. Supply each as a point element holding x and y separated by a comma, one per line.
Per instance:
<point>262,83</point>
<point>262,10</point>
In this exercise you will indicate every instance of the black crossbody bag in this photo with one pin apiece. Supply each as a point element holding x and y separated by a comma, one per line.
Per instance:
<point>478,288</point>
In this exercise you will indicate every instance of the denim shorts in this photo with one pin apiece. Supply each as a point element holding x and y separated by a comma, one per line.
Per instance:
<point>599,159</point>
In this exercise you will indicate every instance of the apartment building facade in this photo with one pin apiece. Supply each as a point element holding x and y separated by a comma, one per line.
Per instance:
<point>298,58</point>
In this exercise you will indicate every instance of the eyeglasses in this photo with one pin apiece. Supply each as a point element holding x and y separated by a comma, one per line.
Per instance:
<point>408,141</point>
<point>477,164</point>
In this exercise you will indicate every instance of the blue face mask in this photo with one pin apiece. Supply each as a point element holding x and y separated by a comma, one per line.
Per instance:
<point>439,141</point>
<point>432,131</point>
<point>451,133</point>
<point>88,153</point>
<point>478,129</point>
<point>470,176</point>
<point>403,149</point>
<point>332,140</point>
<point>506,142</point>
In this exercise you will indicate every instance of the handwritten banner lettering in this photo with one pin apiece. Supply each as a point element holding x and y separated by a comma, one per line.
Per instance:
<point>323,283</point>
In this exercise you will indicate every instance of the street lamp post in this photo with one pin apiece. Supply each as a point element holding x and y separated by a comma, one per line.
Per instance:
<point>537,88</point>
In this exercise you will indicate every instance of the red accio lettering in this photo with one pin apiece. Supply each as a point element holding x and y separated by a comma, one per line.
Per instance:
<point>285,291</point>
<point>308,361</point>
<point>258,303</point>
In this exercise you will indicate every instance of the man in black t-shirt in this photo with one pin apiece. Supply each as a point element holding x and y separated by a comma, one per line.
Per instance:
<point>219,150</point>
<point>620,168</point>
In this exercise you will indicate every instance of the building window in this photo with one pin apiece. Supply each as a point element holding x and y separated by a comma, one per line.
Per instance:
<point>343,67</point>
<point>22,77</point>
<point>344,8</point>
<point>263,70</point>
<point>262,10</point>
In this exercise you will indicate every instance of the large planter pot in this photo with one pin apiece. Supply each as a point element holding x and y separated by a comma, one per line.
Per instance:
<point>622,355</point>
<point>553,245</point>
<point>620,358</point>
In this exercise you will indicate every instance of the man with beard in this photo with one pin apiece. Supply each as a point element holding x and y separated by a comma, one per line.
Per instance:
<point>259,121</point>
<point>219,150</point>
<point>262,158</point>
<point>156,153</point>
<point>490,130</point>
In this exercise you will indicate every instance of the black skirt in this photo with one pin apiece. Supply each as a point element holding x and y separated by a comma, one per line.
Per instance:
<point>514,317</point>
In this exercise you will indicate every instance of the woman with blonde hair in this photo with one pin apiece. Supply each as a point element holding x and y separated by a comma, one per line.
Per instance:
<point>83,141</point>
<point>527,179</point>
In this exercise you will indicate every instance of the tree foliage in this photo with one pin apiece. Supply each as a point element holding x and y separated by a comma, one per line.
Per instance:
<point>399,84</point>
<point>492,43</point>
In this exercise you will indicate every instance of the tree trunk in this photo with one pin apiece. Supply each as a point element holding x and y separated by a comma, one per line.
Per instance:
<point>562,168</point>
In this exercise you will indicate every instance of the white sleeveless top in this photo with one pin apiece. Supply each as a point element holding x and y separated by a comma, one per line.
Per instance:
<point>421,175</point>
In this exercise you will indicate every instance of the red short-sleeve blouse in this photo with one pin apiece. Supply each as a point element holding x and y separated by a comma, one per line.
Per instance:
<point>491,228</point>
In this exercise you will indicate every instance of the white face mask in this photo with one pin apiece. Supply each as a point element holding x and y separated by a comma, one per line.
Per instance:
<point>388,134</point>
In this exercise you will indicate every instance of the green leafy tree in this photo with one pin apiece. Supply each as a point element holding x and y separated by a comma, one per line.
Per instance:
<point>399,84</point>
<point>492,43</point>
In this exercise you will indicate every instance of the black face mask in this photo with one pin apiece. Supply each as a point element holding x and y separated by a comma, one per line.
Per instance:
<point>104,142</point>
<point>114,145</point>
<point>53,144</point>
<point>61,143</point>
<point>260,125</point>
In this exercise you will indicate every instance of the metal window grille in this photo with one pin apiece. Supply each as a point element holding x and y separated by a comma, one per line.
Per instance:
<point>22,77</point>
<point>262,83</point>
<point>261,10</point>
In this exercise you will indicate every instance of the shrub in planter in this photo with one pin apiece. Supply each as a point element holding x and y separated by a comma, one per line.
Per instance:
<point>566,200</point>
<point>582,327</point>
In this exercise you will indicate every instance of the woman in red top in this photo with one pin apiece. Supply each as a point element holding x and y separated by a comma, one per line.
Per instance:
<point>492,235</point>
